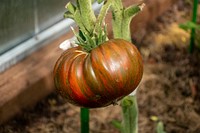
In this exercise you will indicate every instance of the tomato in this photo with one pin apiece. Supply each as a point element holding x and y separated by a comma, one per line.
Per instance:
<point>101,77</point>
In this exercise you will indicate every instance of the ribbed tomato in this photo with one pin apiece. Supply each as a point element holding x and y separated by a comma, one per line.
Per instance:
<point>99,78</point>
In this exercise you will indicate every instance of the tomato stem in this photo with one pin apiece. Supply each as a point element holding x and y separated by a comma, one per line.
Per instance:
<point>122,17</point>
<point>130,114</point>
<point>101,17</point>
<point>129,108</point>
<point>87,14</point>
<point>121,29</point>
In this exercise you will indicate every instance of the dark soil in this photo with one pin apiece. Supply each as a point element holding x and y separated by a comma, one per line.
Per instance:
<point>170,89</point>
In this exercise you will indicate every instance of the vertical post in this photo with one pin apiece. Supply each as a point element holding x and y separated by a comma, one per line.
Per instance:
<point>84,120</point>
<point>194,19</point>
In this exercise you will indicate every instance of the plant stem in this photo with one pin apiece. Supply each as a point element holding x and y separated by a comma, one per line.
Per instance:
<point>87,14</point>
<point>130,114</point>
<point>121,29</point>
<point>117,9</point>
<point>84,120</point>
<point>102,15</point>
<point>193,31</point>
<point>122,18</point>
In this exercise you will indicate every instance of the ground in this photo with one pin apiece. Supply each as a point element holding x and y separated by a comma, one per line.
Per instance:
<point>169,90</point>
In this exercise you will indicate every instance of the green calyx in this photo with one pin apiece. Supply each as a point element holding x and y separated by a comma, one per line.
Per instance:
<point>92,29</point>
<point>87,41</point>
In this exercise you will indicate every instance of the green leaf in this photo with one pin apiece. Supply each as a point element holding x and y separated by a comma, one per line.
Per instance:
<point>160,128</point>
<point>70,7</point>
<point>133,9</point>
<point>100,1</point>
<point>79,38</point>
<point>189,25</point>
<point>117,124</point>
<point>67,14</point>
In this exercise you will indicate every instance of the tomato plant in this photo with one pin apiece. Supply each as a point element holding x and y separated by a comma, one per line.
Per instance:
<point>99,72</point>
<point>100,77</point>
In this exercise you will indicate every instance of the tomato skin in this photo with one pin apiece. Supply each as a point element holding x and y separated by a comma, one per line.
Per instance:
<point>99,78</point>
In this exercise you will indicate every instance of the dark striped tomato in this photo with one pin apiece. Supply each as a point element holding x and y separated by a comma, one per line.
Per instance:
<point>99,78</point>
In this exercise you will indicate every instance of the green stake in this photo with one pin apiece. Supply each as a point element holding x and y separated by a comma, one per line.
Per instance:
<point>84,120</point>
<point>194,20</point>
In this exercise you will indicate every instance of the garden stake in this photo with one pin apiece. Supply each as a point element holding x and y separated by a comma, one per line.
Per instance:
<point>193,31</point>
<point>84,120</point>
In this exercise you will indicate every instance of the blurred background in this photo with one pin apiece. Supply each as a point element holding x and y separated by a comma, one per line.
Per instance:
<point>23,19</point>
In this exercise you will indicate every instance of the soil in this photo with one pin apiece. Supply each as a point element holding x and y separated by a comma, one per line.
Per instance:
<point>168,92</point>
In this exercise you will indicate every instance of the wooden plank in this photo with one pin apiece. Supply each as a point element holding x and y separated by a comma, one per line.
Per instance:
<point>28,81</point>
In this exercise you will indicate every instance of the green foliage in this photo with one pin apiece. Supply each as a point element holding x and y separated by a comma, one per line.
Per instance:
<point>117,124</point>
<point>92,31</point>
<point>93,28</point>
<point>195,27</point>
<point>100,1</point>
<point>160,127</point>
<point>189,25</point>
<point>122,17</point>
<point>193,30</point>
<point>159,124</point>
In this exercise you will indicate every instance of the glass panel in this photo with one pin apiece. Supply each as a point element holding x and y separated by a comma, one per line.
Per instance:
<point>22,19</point>
<point>50,12</point>
<point>16,22</point>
